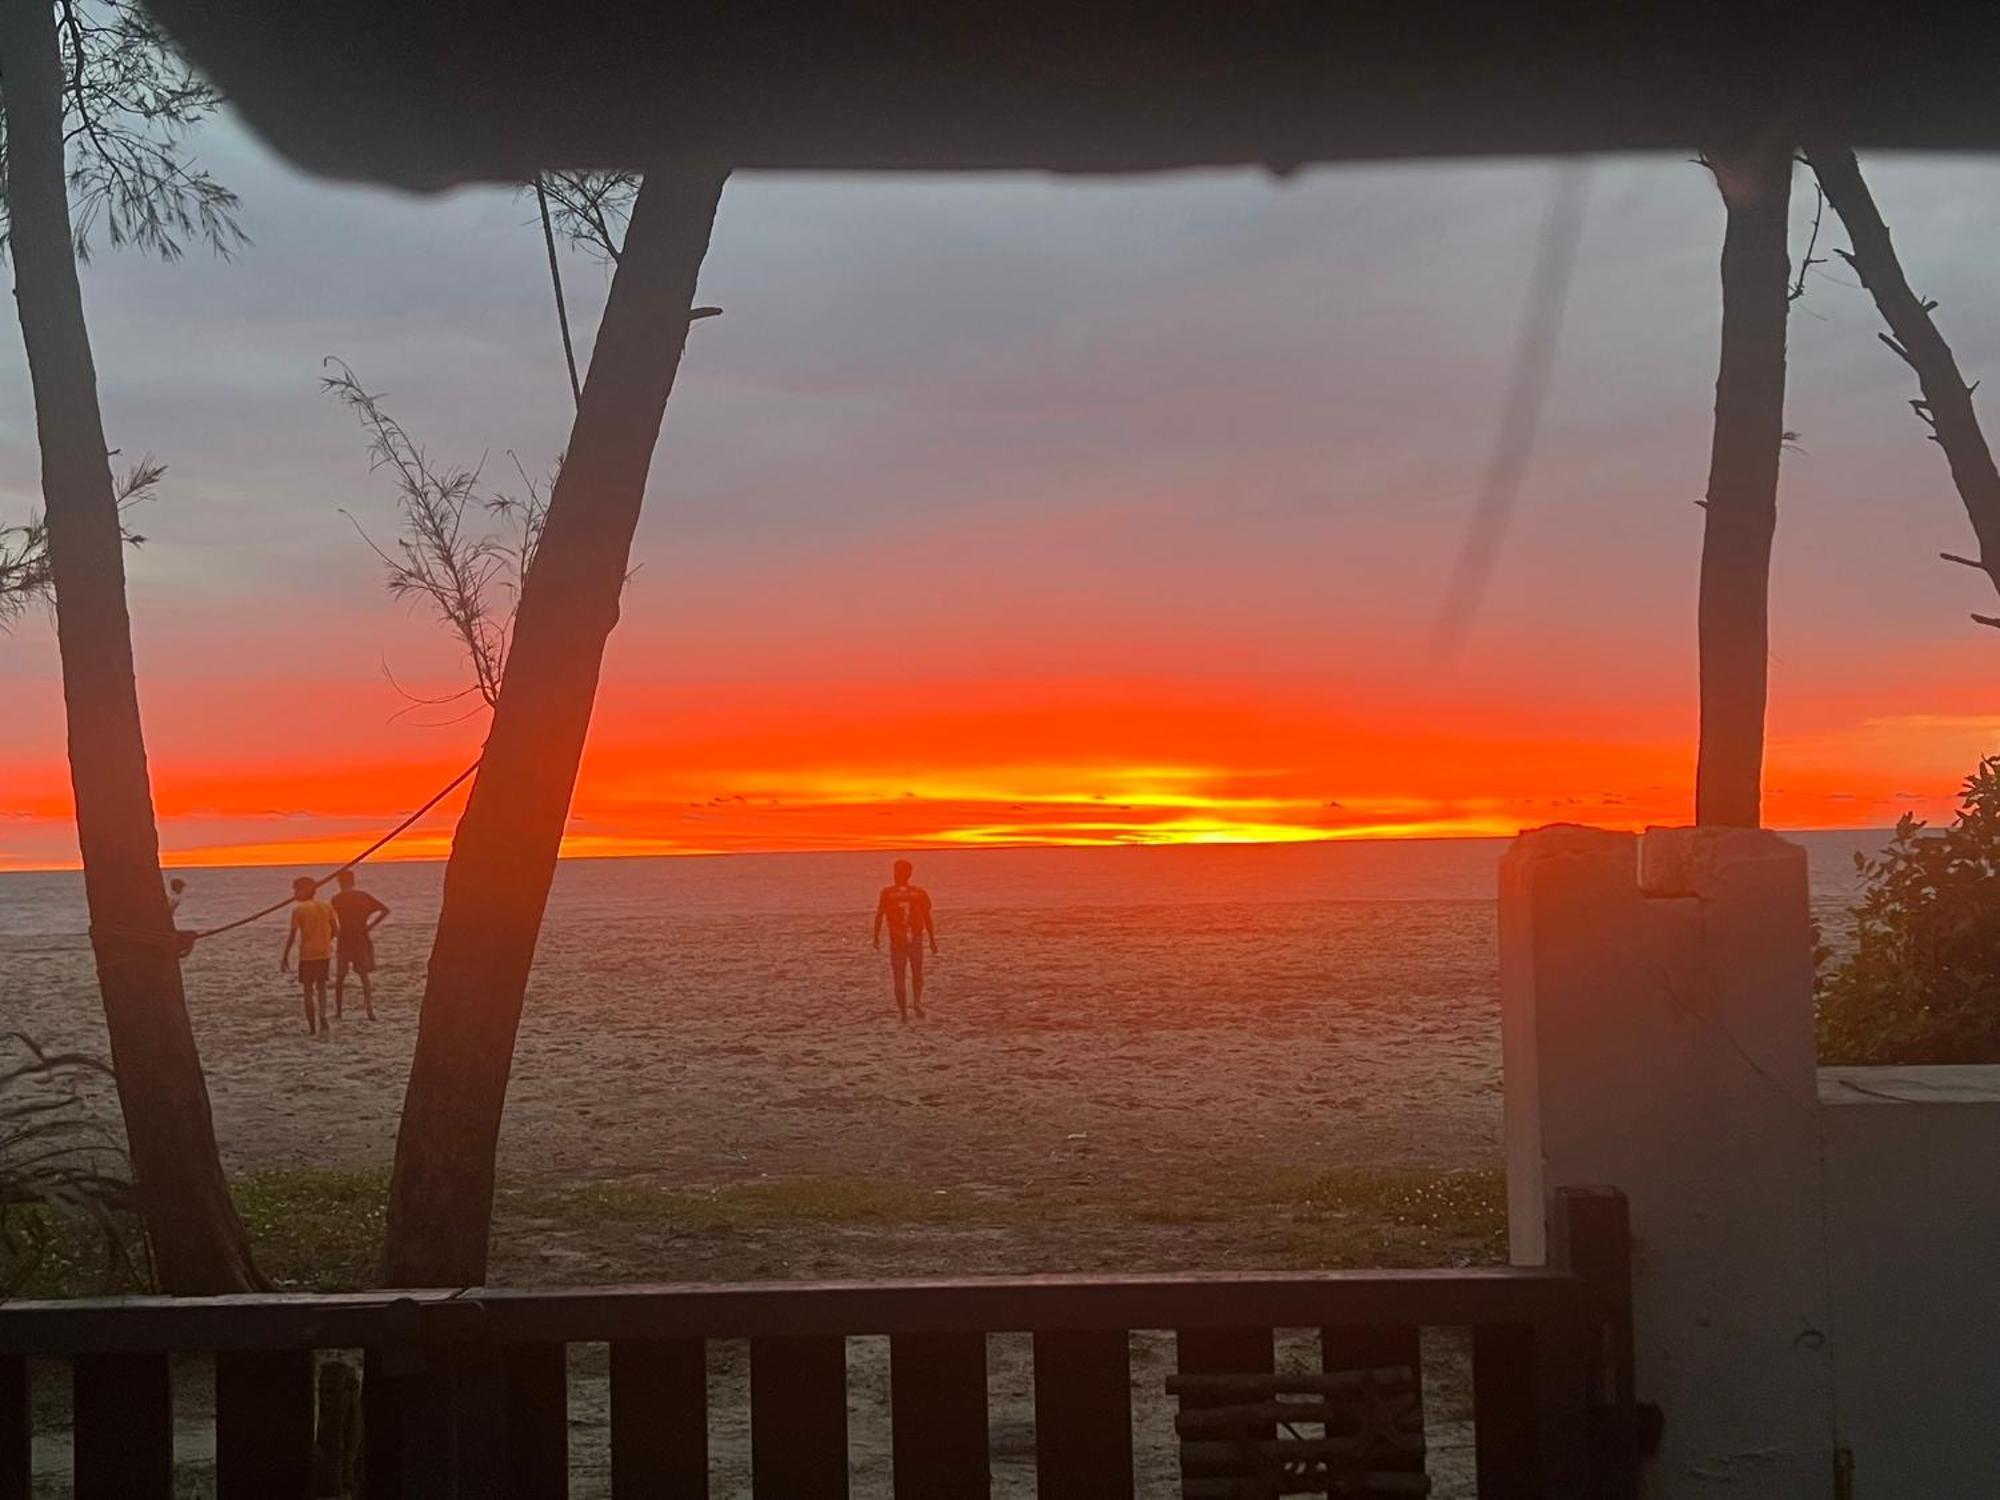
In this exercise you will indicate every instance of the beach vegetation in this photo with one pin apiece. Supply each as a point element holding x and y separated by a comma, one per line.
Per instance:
<point>320,1229</point>
<point>66,1206</point>
<point>772,1201</point>
<point>1921,983</point>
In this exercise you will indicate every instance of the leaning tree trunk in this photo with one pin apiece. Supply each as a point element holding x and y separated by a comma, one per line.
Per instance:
<point>1742,506</point>
<point>1914,336</point>
<point>198,1242</point>
<point>503,856</point>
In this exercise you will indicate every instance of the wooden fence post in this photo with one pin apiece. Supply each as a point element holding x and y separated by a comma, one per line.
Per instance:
<point>1590,1233</point>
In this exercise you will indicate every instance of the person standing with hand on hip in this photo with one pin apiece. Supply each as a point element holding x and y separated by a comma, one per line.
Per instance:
<point>359,914</point>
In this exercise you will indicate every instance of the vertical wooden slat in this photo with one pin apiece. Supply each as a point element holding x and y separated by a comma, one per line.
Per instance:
<point>1083,1415</point>
<point>381,1421</point>
<point>1503,1411</point>
<point>1227,1351</point>
<point>798,1418</point>
<point>1375,1347</point>
<point>1563,1344</point>
<point>1218,1351</point>
<point>433,1423</point>
<point>381,1425</point>
<point>264,1424</point>
<point>1591,1233</point>
<point>123,1427</point>
<point>659,1419</point>
<point>937,1403</point>
<point>537,1432</point>
<point>479,1407</point>
<point>1370,1347</point>
<point>16,1440</point>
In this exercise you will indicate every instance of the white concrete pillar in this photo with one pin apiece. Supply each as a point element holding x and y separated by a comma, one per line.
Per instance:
<point>1657,1034</point>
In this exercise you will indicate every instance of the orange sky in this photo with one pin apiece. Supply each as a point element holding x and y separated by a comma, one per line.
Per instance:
<point>1008,511</point>
<point>989,764</point>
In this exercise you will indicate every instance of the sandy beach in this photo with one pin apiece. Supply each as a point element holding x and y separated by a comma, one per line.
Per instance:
<point>1120,1071</point>
<point>1098,1054</point>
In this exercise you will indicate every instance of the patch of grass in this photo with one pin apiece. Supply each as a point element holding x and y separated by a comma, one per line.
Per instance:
<point>49,1254</point>
<point>322,1230</point>
<point>1398,1216</point>
<point>316,1230</point>
<point>764,1204</point>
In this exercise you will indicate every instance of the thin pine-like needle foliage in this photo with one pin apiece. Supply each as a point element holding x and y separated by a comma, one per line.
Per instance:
<point>130,103</point>
<point>25,580</point>
<point>591,209</point>
<point>468,576</point>
<point>62,1173</point>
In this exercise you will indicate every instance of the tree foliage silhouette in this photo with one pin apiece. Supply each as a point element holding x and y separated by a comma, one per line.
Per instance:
<point>96,108</point>
<point>1922,982</point>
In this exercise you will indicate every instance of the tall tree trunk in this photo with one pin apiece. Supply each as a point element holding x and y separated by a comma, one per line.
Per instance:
<point>1742,509</point>
<point>198,1242</point>
<point>503,856</point>
<point>1913,335</point>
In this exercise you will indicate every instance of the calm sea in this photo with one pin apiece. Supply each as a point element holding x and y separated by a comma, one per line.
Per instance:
<point>646,901</point>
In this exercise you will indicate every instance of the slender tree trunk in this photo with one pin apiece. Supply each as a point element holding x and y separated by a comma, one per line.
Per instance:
<point>1913,335</point>
<point>1742,508</point>
<point>503,856</point>
<point>198,1242</point>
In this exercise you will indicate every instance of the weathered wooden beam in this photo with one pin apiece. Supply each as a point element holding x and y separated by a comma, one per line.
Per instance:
<point>376,89</point>
<point>1456,1298</point>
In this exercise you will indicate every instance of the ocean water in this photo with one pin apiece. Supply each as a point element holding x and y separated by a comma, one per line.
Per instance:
<point>655,900</point>
<point>1130,1015</point>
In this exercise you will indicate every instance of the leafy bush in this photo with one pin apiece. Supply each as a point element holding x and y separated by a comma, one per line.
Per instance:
<point>1922,982</point>
<point>62,1198</point>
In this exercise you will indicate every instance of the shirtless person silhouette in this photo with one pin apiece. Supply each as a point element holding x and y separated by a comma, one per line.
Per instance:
<point>907,910</point>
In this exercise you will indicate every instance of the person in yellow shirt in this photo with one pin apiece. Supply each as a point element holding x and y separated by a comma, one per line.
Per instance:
<point>313,928</point>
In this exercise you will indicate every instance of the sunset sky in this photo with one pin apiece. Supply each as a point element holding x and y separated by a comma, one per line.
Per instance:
<point>1002,510</point>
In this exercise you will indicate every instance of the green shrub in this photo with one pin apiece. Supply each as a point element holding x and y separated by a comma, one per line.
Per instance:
<point>1922,982</point>
<point>67,1214</point>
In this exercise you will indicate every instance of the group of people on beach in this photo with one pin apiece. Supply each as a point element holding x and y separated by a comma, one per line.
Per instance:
<point>335,936</point>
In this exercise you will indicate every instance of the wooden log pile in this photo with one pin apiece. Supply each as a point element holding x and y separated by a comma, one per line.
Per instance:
<point>1350,1434</point>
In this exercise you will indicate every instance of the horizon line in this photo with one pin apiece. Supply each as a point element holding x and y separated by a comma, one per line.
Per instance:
<point>171,862</point>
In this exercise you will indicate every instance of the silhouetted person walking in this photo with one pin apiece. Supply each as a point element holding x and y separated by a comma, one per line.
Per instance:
<point>313,928</point>
<point>907,910</point>
<point>359,914</point>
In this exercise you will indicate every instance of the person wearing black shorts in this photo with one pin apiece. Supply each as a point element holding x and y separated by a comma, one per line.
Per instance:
<point>358,914</point>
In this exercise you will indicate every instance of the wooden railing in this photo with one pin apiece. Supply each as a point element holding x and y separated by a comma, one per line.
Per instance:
<point>465,1393</point>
